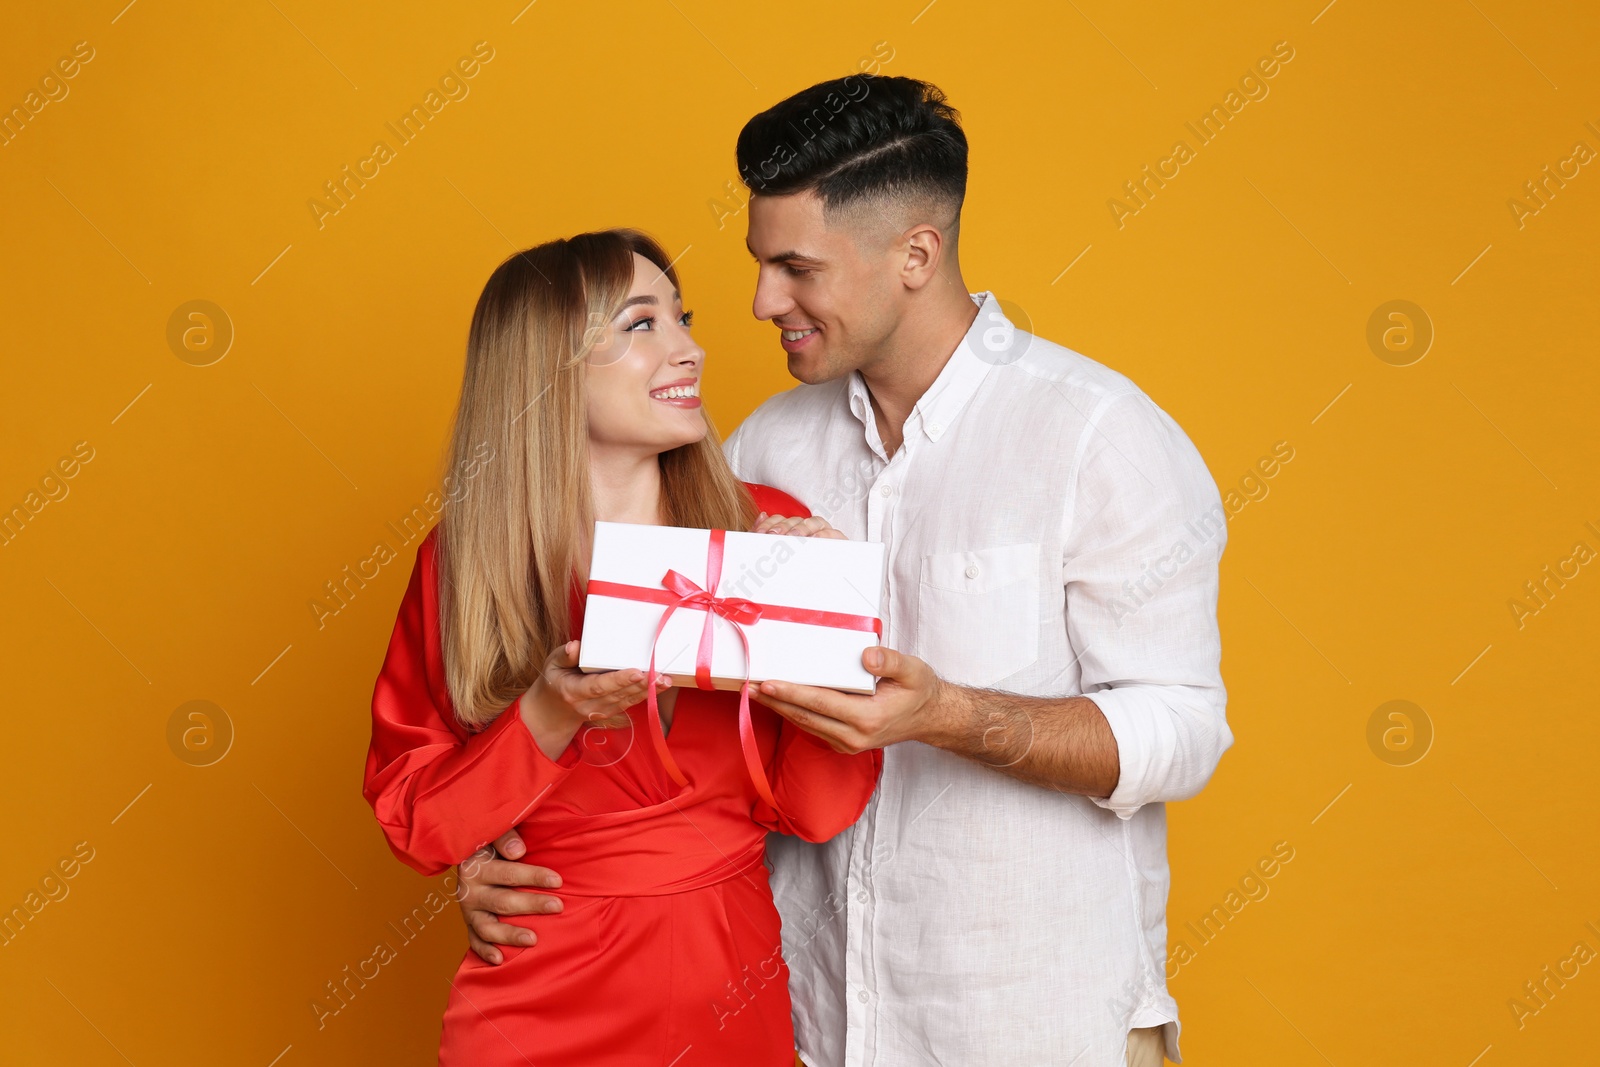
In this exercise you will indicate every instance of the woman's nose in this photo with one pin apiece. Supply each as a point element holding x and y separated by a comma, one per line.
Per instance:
<point>687,352</point>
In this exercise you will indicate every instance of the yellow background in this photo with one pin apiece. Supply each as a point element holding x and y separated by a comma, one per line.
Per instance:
<point>1379,567</point>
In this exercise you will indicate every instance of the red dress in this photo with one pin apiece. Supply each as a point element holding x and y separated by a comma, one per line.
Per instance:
<point>667,951</point>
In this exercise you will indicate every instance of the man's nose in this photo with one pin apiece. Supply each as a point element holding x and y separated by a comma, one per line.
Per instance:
<point>770,299</point>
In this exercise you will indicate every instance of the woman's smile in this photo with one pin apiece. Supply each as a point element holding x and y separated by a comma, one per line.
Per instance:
<point>683,393</point>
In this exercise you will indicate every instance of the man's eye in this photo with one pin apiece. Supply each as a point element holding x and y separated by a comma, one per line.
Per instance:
<point>798,272</point>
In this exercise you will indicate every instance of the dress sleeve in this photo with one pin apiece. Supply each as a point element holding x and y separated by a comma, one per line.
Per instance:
<point>438,792</point>
<point>777,502</point>
<point>821,792</point>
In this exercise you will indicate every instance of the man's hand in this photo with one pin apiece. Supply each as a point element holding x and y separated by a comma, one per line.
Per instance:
<point>909,704</point>
<point>1063,743</point>
<point>815,526</point>
<point>486,890</point>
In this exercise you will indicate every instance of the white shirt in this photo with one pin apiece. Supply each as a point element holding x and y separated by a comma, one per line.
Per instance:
<point>1050,531</point>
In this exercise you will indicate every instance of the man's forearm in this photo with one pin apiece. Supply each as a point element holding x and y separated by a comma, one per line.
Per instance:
<point>1063,743</point>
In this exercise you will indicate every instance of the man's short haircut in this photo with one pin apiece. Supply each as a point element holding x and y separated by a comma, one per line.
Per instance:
<point>859,139</point>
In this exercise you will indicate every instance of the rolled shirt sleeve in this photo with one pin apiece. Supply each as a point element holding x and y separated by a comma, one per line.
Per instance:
<point>1145,537</point>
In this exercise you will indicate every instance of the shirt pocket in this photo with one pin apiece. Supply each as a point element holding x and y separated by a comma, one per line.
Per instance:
<point>978,612</point>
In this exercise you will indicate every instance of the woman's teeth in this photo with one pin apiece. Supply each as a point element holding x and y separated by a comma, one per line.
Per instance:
<point>795,335</point>
<point>676,392</point>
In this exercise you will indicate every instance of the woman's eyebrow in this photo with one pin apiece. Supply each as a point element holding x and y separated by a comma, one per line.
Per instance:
<point>646,299</point>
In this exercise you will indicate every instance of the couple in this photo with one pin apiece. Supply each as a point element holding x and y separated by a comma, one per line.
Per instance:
<point>970,864</point>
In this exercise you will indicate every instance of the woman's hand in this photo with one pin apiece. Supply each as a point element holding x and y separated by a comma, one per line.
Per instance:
<point>815,526</point>
<point>565,698</point>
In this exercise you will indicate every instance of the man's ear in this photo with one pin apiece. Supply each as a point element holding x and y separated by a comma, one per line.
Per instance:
<point>924,252</point>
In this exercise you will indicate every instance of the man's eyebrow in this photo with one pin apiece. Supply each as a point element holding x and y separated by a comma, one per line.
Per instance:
<point>790,256</point>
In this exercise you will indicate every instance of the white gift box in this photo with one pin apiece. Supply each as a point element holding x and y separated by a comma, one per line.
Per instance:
<point>778,571</point>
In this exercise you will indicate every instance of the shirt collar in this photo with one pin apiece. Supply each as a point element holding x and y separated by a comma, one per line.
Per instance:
<point>937,408</point>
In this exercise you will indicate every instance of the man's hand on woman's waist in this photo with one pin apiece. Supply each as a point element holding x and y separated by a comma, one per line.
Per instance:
<point>489,887</point>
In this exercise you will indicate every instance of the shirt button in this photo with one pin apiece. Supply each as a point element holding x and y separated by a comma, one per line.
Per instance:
<point>934,428</point>
<point>862,896</point>
<point>886,489</point>
<point>972,570</point>
<point>862,996</point>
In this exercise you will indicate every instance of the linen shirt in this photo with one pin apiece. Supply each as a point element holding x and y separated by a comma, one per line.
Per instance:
<point>1049,531</point>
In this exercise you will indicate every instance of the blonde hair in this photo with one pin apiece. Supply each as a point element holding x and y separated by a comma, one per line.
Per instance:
<point>508,549</point>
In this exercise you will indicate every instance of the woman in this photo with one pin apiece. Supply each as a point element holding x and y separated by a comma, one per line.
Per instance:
<point>580,401</point>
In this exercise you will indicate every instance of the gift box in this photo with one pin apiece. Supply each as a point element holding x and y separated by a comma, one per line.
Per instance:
<point>718,608</point>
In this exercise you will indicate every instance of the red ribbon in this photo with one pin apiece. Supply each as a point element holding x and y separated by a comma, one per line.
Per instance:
<point>679,592</point>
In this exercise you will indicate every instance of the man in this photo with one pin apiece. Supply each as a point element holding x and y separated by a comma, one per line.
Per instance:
<point>1050,669</point>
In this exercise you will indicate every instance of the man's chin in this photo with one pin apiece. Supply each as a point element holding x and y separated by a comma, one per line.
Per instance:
<point>809,369</point>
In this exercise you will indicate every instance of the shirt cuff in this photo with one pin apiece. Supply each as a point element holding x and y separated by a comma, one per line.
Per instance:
<point>1147,740</point>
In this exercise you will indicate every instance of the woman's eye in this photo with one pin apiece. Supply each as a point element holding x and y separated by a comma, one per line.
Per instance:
<point>635,326</point>
<point>687,319</point>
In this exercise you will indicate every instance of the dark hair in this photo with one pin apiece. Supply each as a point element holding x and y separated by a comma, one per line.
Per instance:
<point>858,138</point>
